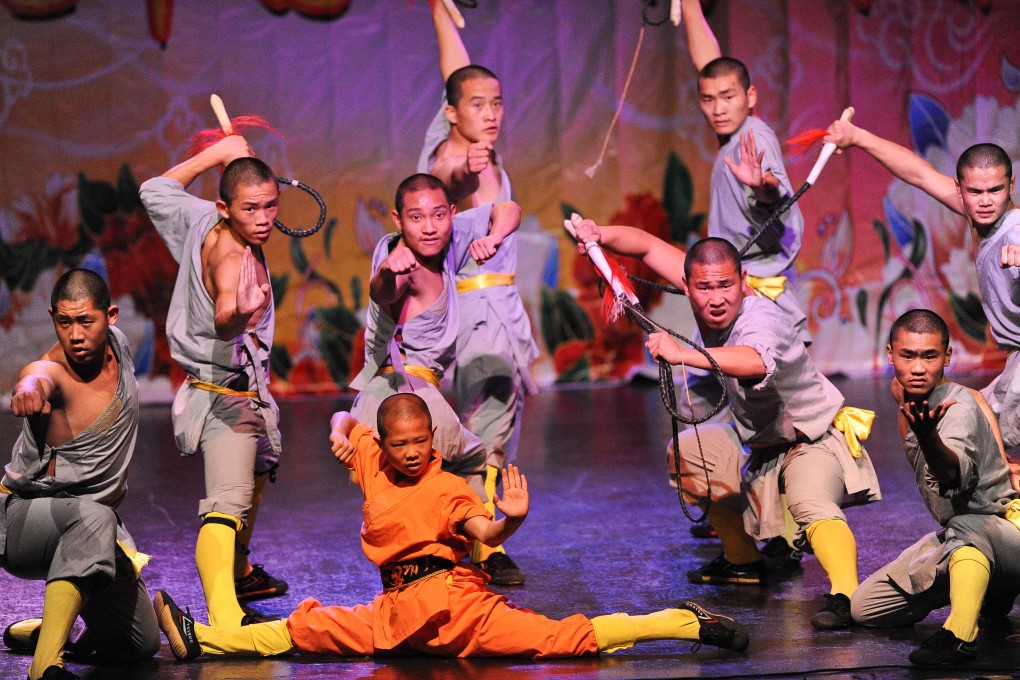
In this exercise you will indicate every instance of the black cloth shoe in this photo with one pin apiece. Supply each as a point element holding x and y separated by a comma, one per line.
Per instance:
<point>997,605</point>
<point>835,614</point>
<point>259,583</point>
<point>721,570</point>
<point>779,556</point>
<point>502,570</point>
<point>58,673</point>
<point>22,636</point>
<point>177,626</point>
<point>718,630</point>
<point>944,649</point>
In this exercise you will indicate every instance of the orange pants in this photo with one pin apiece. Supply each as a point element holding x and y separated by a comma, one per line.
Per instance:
<point>464,620</point>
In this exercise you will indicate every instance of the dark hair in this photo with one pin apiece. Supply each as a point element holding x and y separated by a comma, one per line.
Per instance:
<point>455,83</point>
<point>419,182</point>
<point>81,284</point>
<point>985,155</point>
<point>921,321</point>
<point>711,250</point>
<point>401,406</point>
<point>245,171</point>
<point>724,66</point>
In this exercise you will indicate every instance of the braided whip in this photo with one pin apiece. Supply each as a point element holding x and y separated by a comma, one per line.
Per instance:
<point>628,301</point>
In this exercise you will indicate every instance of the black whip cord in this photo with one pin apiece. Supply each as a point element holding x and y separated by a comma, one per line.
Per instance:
<point>301,233</point>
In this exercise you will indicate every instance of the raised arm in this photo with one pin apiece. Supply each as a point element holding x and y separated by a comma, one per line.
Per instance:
<point>665,259</point>
<point>237,293</point>
<point>943,462</point>
<point>513,505</point>
<point>452,53</point>
<point>393,277</point>
<point>700,40</point>
<point>34,390</point>
<point>903,163</point>
<point>739,362</point>
<point>340,427</point>
<point>504,219</point>
<point>220,153</point>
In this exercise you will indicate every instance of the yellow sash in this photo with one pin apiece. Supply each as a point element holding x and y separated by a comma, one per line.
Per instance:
<point>767,286</point>
<point>220,389</point>
<point>485,281</point>
<point>1013,512</point>
<point>426,374</point>
<point>4,489</point>
<point>855,424</point>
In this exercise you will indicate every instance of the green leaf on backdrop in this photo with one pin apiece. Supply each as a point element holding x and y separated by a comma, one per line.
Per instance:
<point>128,198</point>
<point>279,361</point>
<point>563,319</point>
<point>95,201</point>
<point>678,200</point>
<point>279,284</point>
<point>883,236</point>
<point>969,315</point>
<point>919,244</point>
<point>580,371</point>
<point>337,328</point>
<point>862,307</point>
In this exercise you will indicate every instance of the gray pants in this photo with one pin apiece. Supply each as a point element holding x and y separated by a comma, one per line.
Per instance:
<point>1003,395</point>
<point>74,539</point>
<point>916,583</point>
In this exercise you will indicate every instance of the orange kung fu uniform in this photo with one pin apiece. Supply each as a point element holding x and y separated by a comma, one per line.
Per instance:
<point>450,613</point>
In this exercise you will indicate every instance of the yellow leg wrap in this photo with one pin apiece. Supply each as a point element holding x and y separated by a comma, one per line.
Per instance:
<point>790,533</point>
<point>61,604</point>
<point>738,546</point>
<point>620,631</point>
<point>214,557</point>
<point>479,551</point>
<point>241,565</point>
<point>968,580</point>
<point>836,550</point>
<point>259,639</point>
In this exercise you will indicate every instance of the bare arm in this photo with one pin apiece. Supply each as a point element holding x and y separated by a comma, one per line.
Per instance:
<point>452,53</point>
<point>220,153</point>
<point>700,40</point>
<point>739,362</point>
<point>514,506</point>
<point>237,292</point>
<point>340,427</point>
<point>34,390</point>
<point>504,219</point>
<point>903,163</point>
<point>392,279</point>
<point>943,462</point>
<point>664,258</point>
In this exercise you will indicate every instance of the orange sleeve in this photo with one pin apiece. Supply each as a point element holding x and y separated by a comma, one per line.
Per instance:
<point>366,452</point>
<point>463,504</point>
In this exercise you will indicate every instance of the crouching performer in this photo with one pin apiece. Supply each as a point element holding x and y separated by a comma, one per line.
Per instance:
<point>68,473</point>
<point>965,483</point>
<point>418,524</point>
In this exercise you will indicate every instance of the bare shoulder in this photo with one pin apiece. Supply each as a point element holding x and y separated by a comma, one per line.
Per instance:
<point>52,365</point>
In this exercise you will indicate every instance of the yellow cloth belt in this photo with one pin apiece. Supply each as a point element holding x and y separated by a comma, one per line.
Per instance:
<point>426,374</point>
<point>767,286</point>
<point>855,424</point>
<point>220,389</point>
<point>1013,512</point>
<point>4,489</point>
<point>486,281</point>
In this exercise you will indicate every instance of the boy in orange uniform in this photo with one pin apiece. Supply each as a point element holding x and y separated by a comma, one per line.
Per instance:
<point>419,522</point>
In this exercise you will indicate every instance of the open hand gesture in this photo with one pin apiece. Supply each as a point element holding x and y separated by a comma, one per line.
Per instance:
<point>251,295</point>
<point>514,503</point>
<point>922,420</point>
<point>748,170</point>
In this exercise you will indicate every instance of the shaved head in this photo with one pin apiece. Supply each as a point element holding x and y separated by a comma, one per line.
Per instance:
<point>81,284</point>
<point>402,406</point>
<point>711,250</point>
<point>921,321</point>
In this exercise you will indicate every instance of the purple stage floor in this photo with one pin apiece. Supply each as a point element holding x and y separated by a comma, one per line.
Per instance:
<point>605,534</point>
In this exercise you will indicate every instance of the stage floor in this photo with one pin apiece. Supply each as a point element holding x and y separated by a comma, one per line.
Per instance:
<point>605,533</point>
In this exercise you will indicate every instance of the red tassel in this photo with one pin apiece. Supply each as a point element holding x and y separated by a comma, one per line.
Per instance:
<point>203,139</point>
<point>804,141</point>
<point>612,307</point>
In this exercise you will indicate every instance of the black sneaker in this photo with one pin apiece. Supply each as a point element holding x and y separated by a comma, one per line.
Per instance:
<point>58,673</point>
<point>721,570</point>
<point>22,636</point>
<point>779,556</point>
<point>177,626</point>
<point>835,614</point>
<point>997,605</point>
<point>259,583</point>
<point>718,630</point>
<point>944,649</point>
<point>502,570</point>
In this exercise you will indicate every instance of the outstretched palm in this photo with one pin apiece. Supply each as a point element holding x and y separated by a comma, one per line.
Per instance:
<point>514,503</point>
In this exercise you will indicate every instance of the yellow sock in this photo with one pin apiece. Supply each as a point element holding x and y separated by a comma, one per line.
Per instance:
<point>738,547</point>
<point>790,533</point>
<point>836,549</point>
<point>479,551</point>
<point>620,631</point>
<point>241,565</point>
<point>968,580</point>
<point>259,639</point>
<point>214,557</point>
<point>61,604</point>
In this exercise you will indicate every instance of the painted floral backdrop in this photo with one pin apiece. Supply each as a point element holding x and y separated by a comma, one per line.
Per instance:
<point>96,100</point>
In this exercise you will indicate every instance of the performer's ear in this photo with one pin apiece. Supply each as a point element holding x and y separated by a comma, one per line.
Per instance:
<point>221,208</point>
<point>451,114</point>
<point>949,355</point>
<point>888,353</point>
<point>752,97</point>
<point>395,216</point>
<point>112,313</point>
